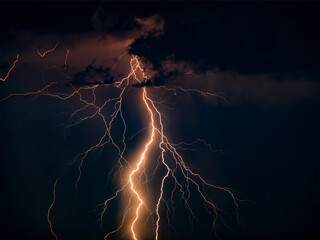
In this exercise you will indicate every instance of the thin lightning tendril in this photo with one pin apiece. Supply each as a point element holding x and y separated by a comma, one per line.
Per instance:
<point>48,51</point>
<point>12,67</point>
<point>50,208</point>
<point>66,58</point>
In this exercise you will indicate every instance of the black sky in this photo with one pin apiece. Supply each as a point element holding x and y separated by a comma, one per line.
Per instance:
<point>262,56</point>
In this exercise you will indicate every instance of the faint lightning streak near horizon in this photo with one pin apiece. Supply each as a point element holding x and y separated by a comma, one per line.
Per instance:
<point>28,93</point>
<point>50,208</point>
<point>48,51</point>
<point>12,67</point>
<point>66,58</point>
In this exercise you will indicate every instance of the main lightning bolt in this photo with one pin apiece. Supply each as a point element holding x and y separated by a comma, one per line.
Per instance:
<point>165,146</point>
<point>142,158</point>
<point>137,177</point>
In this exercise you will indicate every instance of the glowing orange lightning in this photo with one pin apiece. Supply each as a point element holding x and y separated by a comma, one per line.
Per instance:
<point>66,59</point>
<point>14,64</point>
<point>49,210</point>
<point>140,162</point>
<point>48,51</point>
<point>165,145</point>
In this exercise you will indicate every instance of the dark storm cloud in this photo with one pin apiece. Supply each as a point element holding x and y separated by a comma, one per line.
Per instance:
<point>159,79</point>
<point>257,38</point>
<point>113,23</point>
<point>120,16</point>
<point>4,66</point>
<point>125,19</point>
<point>93,75</point>
<point>31,20</point>
<point>45,16</point>
<point>183,44</point>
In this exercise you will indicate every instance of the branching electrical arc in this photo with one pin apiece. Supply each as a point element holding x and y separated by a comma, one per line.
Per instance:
<point>134,173</point>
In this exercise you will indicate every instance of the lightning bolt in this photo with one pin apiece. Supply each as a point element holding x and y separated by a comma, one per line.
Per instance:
<point>66,58</point>
<point>12,67</point>
<point>165,146</point>
<point>48,51</point>
<point>138,177</point>
<point>50,208</point>
<point>142,158</point>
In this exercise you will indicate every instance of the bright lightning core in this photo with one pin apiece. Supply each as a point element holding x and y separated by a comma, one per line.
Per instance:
<point>152,180</point>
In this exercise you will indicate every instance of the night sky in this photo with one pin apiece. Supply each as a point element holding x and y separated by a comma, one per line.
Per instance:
<point>260,58</point>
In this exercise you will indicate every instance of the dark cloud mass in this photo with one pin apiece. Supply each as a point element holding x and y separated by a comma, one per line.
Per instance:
<point>105,21</point>
<point>119,17</point>
<point>256,38</point>
<point>93,75</point>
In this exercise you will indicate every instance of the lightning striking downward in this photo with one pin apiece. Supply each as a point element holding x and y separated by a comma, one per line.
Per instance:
<point>158,162</point>
<point>174,165</point>
<point>132,185</point>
